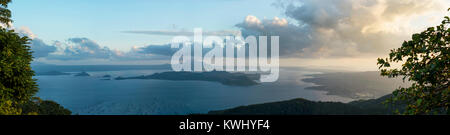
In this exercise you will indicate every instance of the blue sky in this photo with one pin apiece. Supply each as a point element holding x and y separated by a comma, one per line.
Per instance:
<point>103,20</point>
<point>321,33</point>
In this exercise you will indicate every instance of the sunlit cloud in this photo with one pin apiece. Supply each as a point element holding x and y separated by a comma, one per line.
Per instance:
<point>345,28</point>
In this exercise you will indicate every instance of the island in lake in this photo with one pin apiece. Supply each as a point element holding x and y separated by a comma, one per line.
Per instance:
<point>82,74</point>
<point>51,73</point>
<point>226,78</point>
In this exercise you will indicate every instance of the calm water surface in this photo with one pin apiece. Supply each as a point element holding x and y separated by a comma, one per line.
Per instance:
<point>94,96</point>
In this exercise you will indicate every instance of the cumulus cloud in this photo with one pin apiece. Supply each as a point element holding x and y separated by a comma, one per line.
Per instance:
<point>85,49</point>
<point>40,48</point>
<point>82,48</point>
<point>292,38</point>
<point>344,28</point>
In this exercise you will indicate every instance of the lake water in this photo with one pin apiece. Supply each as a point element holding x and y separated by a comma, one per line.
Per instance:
<point>94,96</point>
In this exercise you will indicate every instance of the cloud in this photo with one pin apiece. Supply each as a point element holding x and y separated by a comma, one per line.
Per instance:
<point>161,52</point>
<point>77,49</point>
<point>164,50</point>
<point>80,49</point>
<point>309,28</point>
<point>39,48</point>
<point>345,28</point>
<point>85,49</point>
<point>184,33</point>
<point>292,38</point>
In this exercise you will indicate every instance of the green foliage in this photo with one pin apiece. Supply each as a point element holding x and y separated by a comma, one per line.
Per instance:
<point>17,86</point>
<point>5,14</point>
<point>44,107</point>
<point>6,108</point>
<point>425,62</point>
<point>305,107</point>
<point>16,82</point>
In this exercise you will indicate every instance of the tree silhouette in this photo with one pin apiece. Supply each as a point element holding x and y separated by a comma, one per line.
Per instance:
<point>426,63</point>
<point>5,14</point>
<point>17,86</point>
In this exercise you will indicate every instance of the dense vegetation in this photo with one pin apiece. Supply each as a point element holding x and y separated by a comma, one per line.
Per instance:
<point>426,62</point>
<point>17,86</point>
<point>5,14</point>
<point>305,107</point>
<point>16,83</point>
<point>43,107</point>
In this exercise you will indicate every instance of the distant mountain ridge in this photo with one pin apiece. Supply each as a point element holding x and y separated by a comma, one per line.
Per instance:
<point>226,78</point>
<point>306,107</point>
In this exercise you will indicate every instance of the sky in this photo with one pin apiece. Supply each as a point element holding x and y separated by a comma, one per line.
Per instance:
<point>326,33</point>
<point>104,20</point>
